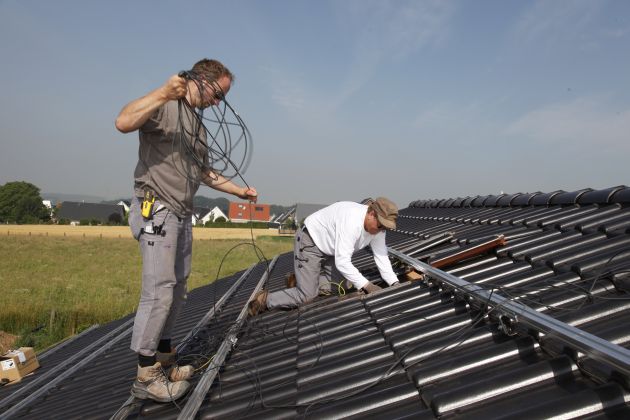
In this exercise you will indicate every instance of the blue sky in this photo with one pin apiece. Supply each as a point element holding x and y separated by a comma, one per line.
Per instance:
<point>344,99</point>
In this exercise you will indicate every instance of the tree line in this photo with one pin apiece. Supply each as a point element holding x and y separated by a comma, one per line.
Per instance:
<point>21,203</point>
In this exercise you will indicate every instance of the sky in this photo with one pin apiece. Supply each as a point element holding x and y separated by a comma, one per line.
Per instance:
<point>343,99</point>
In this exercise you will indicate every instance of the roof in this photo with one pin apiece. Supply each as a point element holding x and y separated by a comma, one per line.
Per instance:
<point>425,349</point>
<point>199,212</point>
<point>72,210</point>
<point>284,216</point>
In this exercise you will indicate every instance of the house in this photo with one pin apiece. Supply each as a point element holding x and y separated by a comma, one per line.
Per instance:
<point>125,204</point>
<point>523,313</point>
<point>74,212</point>
<point>245,212</point>
<point>296,214</point>
<point>281,219</point>
<point>49,205</point>
<point>198,213</point>
<point>203,217</point>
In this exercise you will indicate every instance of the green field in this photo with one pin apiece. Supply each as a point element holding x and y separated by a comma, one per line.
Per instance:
<point>53,287</point>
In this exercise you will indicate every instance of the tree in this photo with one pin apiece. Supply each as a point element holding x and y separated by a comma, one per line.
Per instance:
<point>114,219</point>
<point>20,202</point>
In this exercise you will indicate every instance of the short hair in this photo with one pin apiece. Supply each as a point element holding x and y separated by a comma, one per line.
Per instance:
<point>212,70</point>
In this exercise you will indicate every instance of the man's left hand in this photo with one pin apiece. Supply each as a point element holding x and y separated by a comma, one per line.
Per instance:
<point>371,287</point>
<point>249,194</point>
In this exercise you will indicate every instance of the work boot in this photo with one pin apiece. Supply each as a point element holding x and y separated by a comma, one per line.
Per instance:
<point>166,359</point>
<point>169,361</point>
<point>181,373</point>
<point>152,384</point>
<point>291,280</point>
<point>258,304</point>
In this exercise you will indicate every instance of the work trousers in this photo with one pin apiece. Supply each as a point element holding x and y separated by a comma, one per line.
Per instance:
<point>166,245</point>
<point>312,272</point>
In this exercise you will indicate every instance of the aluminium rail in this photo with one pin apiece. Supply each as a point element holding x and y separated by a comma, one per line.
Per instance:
<point>199,393</point>
<point>131,404</point>
<point>99,347</point>
<point>589,344</point>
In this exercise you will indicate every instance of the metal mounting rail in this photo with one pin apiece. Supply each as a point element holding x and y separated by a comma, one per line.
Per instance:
<point>589,344</point>
<point>199,393</point>
<point>128,406</point>
<point>99,347</point>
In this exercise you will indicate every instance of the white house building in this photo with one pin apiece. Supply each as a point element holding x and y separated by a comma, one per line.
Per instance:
<point>210,216</point>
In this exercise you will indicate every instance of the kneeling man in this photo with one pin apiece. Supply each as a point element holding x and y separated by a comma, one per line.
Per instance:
<point>329,235</point>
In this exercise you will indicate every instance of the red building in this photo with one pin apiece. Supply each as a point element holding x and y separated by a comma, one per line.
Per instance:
<point>244,212</point>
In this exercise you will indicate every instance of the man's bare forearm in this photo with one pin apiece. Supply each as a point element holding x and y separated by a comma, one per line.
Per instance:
<point>137,112</point>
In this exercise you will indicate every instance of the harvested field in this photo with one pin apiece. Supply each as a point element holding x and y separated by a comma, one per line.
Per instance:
<point>7,341</point>
<point>56,286</point>
<point>123,231</point>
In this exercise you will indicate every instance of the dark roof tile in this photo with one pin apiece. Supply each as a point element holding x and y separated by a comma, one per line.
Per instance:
<point>544,199</point>
<point>568,197</point>
<point>599,196</point>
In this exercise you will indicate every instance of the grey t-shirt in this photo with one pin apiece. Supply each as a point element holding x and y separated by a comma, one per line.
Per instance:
<point>165,165</point>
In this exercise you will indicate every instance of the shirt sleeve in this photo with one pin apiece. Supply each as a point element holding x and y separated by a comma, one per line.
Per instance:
<point>379,249</point>
<point>344,248</point>
<point>155,123</point>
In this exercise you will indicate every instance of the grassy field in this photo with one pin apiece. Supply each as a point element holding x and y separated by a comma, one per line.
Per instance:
<point>55,285</point>
<point>124,232</point>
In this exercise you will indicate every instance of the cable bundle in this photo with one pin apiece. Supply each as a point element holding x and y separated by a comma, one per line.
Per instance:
<point>221,141</point>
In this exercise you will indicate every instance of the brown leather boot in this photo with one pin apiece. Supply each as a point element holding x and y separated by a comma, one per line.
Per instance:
<point>175,373</point>
<point>291,280</point>
<point>151,383</point>
<point>258,304</point>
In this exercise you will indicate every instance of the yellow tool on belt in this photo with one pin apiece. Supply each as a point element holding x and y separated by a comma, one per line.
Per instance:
<point>147,204</point>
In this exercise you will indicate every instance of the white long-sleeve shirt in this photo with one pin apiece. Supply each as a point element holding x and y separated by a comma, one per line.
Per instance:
<point>338,230</point>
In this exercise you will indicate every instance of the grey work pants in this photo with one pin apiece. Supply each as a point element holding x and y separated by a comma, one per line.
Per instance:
<point>166,261</point>
<point>312,271</point>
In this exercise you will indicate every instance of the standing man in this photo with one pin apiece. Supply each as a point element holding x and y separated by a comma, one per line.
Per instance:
<point>329,235</point>
<point>173,160</point>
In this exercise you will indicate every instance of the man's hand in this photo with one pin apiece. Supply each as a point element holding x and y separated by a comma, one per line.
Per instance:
<point>138,111</point>
<point>249,194</point>
<point>175,88</point>
<point>371,287</point>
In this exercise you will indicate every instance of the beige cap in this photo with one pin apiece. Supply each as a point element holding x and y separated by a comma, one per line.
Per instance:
<point>386,212</point>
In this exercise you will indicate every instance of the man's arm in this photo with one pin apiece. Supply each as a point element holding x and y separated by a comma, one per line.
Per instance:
<point>381,258</point>
<point>220,183</point>
<point>137,112</point>
<point>344,248</point>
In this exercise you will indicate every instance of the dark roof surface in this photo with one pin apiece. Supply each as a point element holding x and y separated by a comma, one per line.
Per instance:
<point>420,350</point>
<point>79,211</point>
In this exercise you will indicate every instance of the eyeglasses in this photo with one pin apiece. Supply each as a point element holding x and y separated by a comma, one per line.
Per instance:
<point>216,90</point>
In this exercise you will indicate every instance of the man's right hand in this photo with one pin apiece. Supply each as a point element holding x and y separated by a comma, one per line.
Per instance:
<point>371,287</point>
<point>138,111</point>
<point>175,88</point>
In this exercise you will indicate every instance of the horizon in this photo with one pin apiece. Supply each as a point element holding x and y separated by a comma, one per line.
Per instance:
<point>344,100</point>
